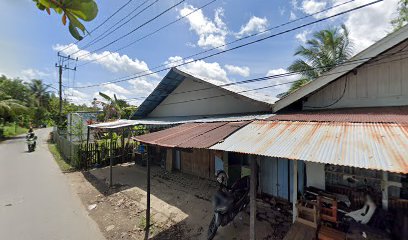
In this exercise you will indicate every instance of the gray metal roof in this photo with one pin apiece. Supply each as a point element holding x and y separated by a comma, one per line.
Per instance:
<point>165,87</point>
<point>180,120</point>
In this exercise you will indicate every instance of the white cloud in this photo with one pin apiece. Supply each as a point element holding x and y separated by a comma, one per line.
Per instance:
<point>312,6</point>
<point>302,37</point>
<point>254,25</point>
<point>366,25</point>
<point>78,97</point>
<point>142,87</point>
<point>210,33</point>
<point>282,10</point>
<point>292,16</point>
<point>242,71</point>
<point>114,62</point>
<point>280,80</point>
<point>116,88</point>
<point>30,73</point>
<point>210,71</point>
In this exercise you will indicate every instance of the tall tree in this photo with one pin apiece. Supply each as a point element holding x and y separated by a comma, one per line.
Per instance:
<point>40,92</point>
<point>402,17</point>
<point>324,51</point>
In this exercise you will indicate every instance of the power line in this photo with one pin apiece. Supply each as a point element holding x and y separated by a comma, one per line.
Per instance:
<point>150,34</point>
<point>236,47</point>
<point>96,28</point>
<point>108,32</point>
<point>225,44</point>
<point>375,61</point>
<point>135,29</point>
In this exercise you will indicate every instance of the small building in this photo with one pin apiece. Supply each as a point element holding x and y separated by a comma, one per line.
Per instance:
<point>77,124</point>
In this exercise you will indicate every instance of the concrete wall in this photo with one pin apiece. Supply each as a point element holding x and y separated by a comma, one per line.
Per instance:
<point>381,82</point>
<point>213,101</point>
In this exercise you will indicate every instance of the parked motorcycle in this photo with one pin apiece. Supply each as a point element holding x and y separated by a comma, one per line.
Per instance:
<point>31,142</point>
<point>228,202</point>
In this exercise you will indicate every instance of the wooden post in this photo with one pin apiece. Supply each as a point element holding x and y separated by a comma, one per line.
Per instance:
<point>87,148</point>
<point>111,160</point>
<point>295,189</point>
<point>385,190</point>
<point>123,144</point>
<point>148,200</point>
<point>252,195</point>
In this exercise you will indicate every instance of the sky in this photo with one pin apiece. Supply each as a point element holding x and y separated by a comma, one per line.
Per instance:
<point>30,40</point>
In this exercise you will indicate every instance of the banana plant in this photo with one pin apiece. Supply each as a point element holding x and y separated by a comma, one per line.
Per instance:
<point>111,108</point>
<point>73,10</point>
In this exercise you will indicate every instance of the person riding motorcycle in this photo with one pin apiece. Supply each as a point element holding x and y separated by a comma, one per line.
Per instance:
<point>31,136</point>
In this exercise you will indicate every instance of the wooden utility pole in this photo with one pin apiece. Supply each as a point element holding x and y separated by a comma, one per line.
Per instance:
<point>252,195</point>
<point>61,65</point>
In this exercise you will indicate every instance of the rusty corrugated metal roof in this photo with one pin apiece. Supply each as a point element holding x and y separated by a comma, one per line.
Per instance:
<point>362,115</point>
<point>192,135</point>
<point>379,146</point>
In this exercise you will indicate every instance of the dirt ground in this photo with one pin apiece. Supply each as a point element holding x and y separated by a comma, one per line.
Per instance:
<point>181,206</point>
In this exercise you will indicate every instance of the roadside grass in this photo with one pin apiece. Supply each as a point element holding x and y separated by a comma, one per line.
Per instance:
<point>11,130</point>
<point>64,166</point>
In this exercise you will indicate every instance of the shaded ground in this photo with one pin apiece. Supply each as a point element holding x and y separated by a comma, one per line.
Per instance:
<point>181,206</point>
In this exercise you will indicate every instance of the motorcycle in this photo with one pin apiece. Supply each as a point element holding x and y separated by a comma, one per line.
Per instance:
<point>31,142</point>
<point>228,202</point>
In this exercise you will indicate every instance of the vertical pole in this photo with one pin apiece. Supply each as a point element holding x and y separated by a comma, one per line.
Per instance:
<point>148,200</point>
<point>60,90</point>
<point>87,147</point>
<point>111,159</point>
<point>385,190</point>
<point>123,145</point>
<point>252,195</point>
<point>295,189</point>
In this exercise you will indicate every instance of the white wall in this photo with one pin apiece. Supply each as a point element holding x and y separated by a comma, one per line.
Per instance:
<point>377,83</point>
<point>214,101</point>
<point>315,175</point>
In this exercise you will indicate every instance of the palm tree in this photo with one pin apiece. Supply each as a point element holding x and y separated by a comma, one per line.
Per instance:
<point>10,107</point>
<point>39,91</point>
<point>324,51</point>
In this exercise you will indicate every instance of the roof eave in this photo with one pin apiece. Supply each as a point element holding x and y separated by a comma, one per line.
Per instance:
<point>377,48</point>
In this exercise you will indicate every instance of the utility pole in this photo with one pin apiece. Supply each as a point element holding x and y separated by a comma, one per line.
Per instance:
<point>62,65</point>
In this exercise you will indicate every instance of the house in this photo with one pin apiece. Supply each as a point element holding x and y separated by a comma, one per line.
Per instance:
<point>345,130</point>
<point>209,113</point>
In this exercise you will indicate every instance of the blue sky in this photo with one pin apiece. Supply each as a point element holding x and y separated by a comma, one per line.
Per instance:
<point>30,40</point>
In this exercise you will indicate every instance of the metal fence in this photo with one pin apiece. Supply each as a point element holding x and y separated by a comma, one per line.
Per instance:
<point>95,154</point>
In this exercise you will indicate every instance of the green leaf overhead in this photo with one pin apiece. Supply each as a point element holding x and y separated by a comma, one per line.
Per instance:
<point>74,10</point>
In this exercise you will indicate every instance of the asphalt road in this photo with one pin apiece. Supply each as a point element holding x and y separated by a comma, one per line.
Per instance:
<point>36,200</point>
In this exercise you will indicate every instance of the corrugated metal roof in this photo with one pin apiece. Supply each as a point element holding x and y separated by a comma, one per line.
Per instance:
<point>191,135</point>
<point>180,120</point>
<point>363,115</point>
<point>379,146</point>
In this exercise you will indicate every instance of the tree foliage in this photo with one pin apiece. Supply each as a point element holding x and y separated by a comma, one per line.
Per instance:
<point>324,51</point>
<point>402,17</point>
<point>73,10</point>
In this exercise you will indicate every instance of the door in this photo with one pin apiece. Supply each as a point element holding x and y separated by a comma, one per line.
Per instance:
<point>177,160</point>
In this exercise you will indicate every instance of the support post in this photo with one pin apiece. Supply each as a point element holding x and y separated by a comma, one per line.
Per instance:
<point>87,148</point>
<point>60,91</point>
<point>385,190</point>
<point>123,145</point>
<point>147,230</point>
<point>295,189</point>
<point>111,159</point>
<point>252,195</point>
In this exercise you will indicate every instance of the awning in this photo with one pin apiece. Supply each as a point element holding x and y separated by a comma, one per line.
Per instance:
<point>377,146</point>
<point>192,135</point>
<point>168,121</point>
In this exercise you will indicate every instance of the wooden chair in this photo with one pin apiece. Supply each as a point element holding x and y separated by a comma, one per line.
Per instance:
<point>307,213</point>
<point>327,206</point>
